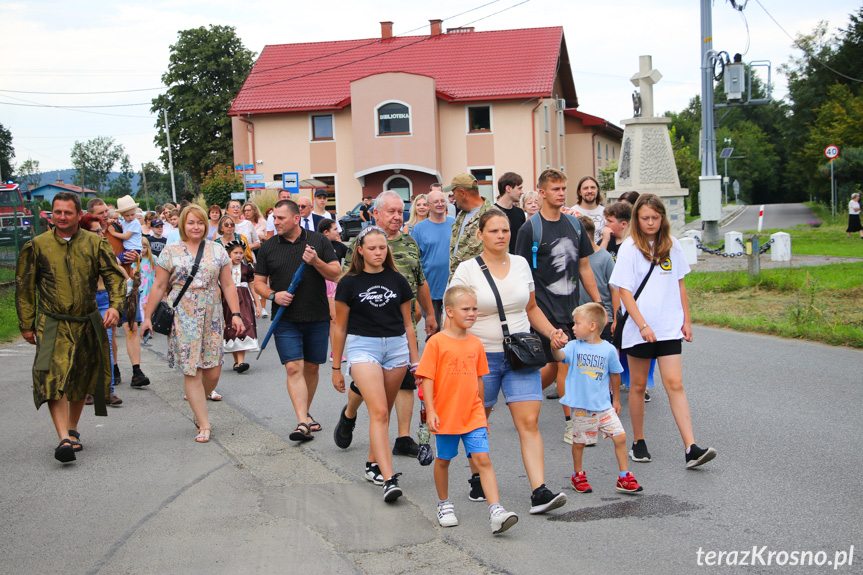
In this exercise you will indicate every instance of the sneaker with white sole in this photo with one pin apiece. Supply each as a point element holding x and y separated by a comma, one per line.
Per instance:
<point>639,452</point>
<point>392,491</point>
<point>698,456</point>
<point>628,484</point>
<point>446,514</point>
<point>373,473</point>
<point>567,432</point>
<point>542,499</point>
<point>476,492</point>
<point>580,484</point>
<point>501,520</point>
<point>646,397</point>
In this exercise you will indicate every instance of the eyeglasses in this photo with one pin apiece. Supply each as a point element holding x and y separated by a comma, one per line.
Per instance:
<point>227,225</point>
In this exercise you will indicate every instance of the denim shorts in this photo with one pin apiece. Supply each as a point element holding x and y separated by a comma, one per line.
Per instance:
<point>103,302</point>
<point>475,441</point>
<point>521,385</point>
<point>307,341</point>
<point>388,352</point>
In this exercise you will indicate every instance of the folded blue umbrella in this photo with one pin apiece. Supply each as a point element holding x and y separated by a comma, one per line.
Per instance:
<point>295,281</point>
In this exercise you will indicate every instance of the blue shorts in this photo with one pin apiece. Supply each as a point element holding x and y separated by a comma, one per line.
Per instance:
<point>475,441</point>
<point>388,352</point>
<point>521,385</point>
<point>306,340</point>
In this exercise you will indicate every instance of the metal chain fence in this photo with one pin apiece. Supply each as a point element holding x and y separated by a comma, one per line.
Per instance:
<point>720,250</point>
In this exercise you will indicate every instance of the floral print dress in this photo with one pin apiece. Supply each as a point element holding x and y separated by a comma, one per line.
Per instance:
<point>196,341</point>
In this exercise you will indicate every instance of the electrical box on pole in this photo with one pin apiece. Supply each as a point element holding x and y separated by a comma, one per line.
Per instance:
<point>735,81</point>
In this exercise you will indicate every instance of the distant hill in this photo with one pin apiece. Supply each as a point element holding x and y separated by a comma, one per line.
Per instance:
<point>66,176</point>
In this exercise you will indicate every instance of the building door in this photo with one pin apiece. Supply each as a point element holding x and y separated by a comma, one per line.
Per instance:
<point>400,185</point>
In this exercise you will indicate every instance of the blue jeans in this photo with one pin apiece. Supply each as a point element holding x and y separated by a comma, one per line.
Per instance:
<point>521,385</point>
<point>307,341</point>
<point>103,303</point>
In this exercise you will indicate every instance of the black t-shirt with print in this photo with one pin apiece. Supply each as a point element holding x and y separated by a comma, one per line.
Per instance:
<point>156,244</point>
<point>375,302</point>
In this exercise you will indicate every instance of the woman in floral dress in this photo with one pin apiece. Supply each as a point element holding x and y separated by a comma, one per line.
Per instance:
<point>195,344</point>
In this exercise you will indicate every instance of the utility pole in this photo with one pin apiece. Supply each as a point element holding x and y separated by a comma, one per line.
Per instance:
<point>146,194</point>
<point>170,159</point>
<point>710,186</point>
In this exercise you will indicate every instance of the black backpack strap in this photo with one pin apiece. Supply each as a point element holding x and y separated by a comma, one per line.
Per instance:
<point>491,283</point>
<point>638,292</point>
<point>192,273</point>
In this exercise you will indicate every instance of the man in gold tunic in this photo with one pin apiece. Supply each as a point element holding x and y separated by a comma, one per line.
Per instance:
<point>60,269</point>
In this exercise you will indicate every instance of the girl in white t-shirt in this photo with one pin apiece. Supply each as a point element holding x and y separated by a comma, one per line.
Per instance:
<point>657,322</point>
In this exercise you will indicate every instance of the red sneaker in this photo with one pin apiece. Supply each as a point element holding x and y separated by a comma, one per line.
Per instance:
<point>628,484</point>
<point>580,484</point>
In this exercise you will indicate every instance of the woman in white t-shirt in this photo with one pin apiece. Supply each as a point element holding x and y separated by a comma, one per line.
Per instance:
<point>657,322</point>
<point>522,390</point>
<point>854,216</point>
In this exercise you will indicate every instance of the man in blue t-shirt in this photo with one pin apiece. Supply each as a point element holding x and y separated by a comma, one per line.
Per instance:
<point>433,237</point>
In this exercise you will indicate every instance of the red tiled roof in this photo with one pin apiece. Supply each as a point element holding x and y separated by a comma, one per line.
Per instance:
<point>473,66</point>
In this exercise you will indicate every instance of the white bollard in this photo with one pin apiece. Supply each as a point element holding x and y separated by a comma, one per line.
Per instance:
<point>689,250</point>
<point>732,246</point>
<point>780,249</point>
<point>695,234</point>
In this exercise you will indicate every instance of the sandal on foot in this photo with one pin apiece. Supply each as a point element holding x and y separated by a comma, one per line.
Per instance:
<point>197,425</point>
<point>314,425</point>
<point>65,452</point>
<point>299,435</point>
<point>214,396</point>
<point>203,435</point>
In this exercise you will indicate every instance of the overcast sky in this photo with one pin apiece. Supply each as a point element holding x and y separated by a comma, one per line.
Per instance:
<point>98,46</point>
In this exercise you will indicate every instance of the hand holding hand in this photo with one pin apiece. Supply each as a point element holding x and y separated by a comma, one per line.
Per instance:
<point>559,339</point>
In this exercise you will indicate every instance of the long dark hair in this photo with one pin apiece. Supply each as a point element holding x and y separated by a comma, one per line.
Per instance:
<point>661,248</point>
<point>358,264</point>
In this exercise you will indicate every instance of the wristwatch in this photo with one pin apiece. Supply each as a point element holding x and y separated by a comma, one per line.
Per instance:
<point>237,314</point>
<point>272,296</point>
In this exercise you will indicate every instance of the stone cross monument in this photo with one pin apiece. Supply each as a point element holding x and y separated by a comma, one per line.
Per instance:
<point>647,158</point>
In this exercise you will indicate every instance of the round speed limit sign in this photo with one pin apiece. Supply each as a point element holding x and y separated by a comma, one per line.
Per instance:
<point>831,152</point>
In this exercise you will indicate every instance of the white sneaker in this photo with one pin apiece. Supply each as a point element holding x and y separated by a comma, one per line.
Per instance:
<point>446,515</point>
<point>501,520</point>
<point>264,312</point>
<point>567,433</point>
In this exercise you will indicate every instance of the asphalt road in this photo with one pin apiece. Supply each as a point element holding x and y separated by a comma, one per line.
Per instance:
<point>143,498</point>
<point>776,216</point>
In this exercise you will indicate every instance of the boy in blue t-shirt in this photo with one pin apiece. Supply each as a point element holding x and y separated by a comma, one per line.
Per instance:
<point>592,363</point>
<point>131,234</point>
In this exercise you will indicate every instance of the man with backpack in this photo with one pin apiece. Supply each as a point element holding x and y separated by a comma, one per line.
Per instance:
<point>556,246</point>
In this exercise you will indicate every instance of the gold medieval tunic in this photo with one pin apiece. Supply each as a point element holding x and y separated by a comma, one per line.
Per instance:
<point>62,275</point>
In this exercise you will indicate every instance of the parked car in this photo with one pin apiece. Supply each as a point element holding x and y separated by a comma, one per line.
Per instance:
<point>352,223</point>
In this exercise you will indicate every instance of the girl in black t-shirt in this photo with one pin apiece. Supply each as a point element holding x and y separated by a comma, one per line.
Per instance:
<point>373,316</point>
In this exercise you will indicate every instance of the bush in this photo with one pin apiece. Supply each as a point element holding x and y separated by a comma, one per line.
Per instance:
<point>219,183</point>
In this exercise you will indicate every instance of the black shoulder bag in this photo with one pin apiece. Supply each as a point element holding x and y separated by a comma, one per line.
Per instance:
<point>163,317</point>
<point>522,350</point>
<point>617,337</point>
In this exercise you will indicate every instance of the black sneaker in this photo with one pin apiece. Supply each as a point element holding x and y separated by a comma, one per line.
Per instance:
<point>639,452</point>
<point>476,492</point>
<point>343,434</point>
<point>542,500</point>
<point>406,446</point>
<point>392,491</point>
<point>118,378</point>
<point>373,473</point>
<point>698,456</point>
<point>139,379</point>
<point>646,397</point>
<point>552,394</point>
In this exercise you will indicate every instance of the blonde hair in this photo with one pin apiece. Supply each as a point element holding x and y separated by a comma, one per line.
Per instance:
<point>593,312</point>
<point>413,219</point>
<point>530,195</point>
<point>455,292</point>
<point>145,243</point>
<point>199,212</point>
<point>661,248</point>
<point>256,213</point>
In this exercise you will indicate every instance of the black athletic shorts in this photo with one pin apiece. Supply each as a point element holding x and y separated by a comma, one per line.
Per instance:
<point>655,349</point>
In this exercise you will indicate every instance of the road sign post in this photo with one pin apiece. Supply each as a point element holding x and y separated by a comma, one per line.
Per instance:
<point>832,152</point>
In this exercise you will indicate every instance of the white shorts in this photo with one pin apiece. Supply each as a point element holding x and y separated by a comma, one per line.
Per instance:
<point>587,424</point>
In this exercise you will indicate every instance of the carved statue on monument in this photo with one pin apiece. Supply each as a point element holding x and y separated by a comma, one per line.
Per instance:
<point>636,104</point>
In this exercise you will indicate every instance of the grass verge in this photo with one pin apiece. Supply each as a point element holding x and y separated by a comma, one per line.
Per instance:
<point>814,303</point>
<point>8,317</point>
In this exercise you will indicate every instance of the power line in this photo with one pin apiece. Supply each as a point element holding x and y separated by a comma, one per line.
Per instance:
<point>807,51</point>
<point>73,109</point>
<point>84,93</point>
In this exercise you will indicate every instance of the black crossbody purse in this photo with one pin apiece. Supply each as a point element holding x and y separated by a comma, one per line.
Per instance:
<point>523,350</point>
<point>163,317</point>
<point>617,337</point>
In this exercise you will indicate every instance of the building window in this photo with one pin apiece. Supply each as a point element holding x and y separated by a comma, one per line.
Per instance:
<point>599,150</point>
<point>613,152</point>
<point>478,119</point>
<point>401,185</point>
<point>606,152</point>
<point>322,127</point>
<point>394,119</point>
<point>485,179</point>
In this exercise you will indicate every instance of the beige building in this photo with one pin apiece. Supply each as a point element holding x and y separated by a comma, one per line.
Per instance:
<point>402,113</point>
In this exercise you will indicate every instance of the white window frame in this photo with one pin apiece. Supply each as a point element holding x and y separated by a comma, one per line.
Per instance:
<point>404,177</point>
<point>312,128</point>
<point>378,123</point>
<point>467,108</point>
<point>470,170</point>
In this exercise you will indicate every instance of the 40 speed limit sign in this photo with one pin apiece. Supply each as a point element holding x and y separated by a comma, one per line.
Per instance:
<point>831,152</point>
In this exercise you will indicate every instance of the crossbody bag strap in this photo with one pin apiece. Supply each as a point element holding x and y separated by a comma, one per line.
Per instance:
<point>638,291</point>
<point>191,273</point>
<point>491,283</point>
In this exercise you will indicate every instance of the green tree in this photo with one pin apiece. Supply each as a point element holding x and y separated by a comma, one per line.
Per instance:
<point>94,160</point>
<point>207,68</point>
<point>7,152</point>
<point>29,174</point>
<point>684,133</point>
<point>122,184</point>
<point>158,184</point>
<point>757,171</point>
<point>219,184</point>
<point>606,176</point>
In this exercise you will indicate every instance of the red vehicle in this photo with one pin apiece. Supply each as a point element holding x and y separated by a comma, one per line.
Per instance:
<point>10,198</point>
